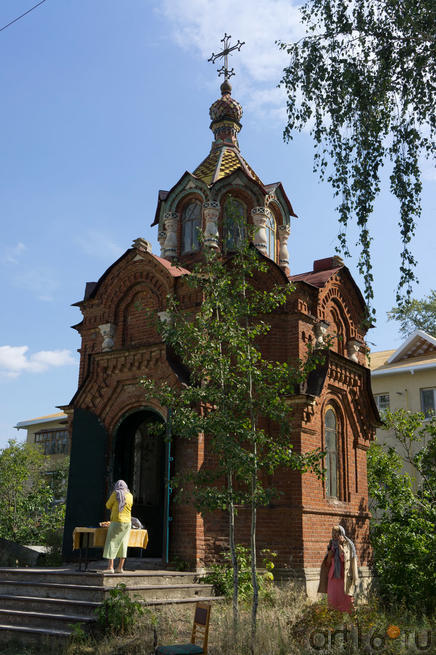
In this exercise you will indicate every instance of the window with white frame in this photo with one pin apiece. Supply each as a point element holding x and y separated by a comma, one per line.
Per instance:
<point>428,401</point>
<point>191,225</point>
<point>382,401</point>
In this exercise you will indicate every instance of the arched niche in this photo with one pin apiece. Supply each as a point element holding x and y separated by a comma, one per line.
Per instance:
<point>339,325</point>
<point>179,195</point>
<point>140,458</point>
<point>135,316</point>
<point>190,211</point>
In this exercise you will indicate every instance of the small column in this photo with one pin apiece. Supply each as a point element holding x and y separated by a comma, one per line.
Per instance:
<point>284,231</point>
<point>211,212</point>
<point>142,244</point>
<point>320,330</point>
<point>171,220</point>
<point>107,331</point>
<point>164,317</point>
<point>260,215</point>
<point>353,347</point>
<point>161,238</point>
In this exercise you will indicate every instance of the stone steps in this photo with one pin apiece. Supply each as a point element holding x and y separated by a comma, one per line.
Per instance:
<point>98,577</point>
<point>32,619</point>
<point>97,593</point>
<point>184,601</point>
<point>25,635</point>
<point>47,603</point>
<point>52,590</point>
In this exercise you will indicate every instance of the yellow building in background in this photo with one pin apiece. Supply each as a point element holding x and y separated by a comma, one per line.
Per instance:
<point>49,432</point>
<point>405,378</point>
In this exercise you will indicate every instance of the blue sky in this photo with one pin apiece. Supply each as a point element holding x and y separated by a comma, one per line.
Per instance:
<point>103,104</point>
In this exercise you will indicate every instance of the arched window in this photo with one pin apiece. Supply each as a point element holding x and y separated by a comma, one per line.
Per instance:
<point>191,225</point>
<point>339,323</point>
<point>331,448</point>
<point>271,236</point>
<point>234,224</point>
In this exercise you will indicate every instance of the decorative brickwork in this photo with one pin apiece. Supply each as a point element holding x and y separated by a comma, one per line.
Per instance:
<point>120,343</point>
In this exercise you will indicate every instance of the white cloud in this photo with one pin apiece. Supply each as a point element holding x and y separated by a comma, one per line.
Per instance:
<point>11,254</point>
<point>15,360</point>
<point>259,63</point>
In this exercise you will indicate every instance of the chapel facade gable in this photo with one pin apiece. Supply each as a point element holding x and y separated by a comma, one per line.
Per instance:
<point>332,309</point>
<point>122,308</point>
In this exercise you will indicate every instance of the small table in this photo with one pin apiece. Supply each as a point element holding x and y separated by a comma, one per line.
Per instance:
<point>85,538</point>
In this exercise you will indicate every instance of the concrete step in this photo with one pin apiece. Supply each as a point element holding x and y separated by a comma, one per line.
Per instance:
<point>15,633</point>
<point>98,577</point>
<point>31,619</point>
<point>142,563</point>
<point>85,608</point>
<point>154,592</point>
<point>97,593</point>
<point>132,563</point>
<point>139,578</point>
<point>179,601</point>
<point>52,590</point>
<point>49,605</point>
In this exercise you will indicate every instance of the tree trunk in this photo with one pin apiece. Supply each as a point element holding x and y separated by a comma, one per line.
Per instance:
<point>232,545</point>
<point>253,498</point>
<point>253,556</point>
<point>234,558</point>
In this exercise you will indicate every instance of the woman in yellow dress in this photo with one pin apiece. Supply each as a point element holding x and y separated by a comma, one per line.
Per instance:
<point>120,503</point>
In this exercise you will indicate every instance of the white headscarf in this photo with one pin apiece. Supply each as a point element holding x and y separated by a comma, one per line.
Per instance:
<point>121,489</point>
<point>337,571</point>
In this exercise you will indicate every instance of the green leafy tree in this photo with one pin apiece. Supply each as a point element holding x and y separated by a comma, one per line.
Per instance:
<point>57,477</point>
<point>233,392</point>
<point>29,514</point>
<point>402,528</point>
<point>416,315</point>
<point>362,79</point>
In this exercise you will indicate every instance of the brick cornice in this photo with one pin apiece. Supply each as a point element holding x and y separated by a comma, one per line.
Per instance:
<point>117,373</point>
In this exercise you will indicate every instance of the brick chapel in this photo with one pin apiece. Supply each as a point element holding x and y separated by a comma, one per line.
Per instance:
<point>109,414</point>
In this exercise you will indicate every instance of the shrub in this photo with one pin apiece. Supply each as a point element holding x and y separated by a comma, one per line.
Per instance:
<point>221,575</point>
<point>118,613</point>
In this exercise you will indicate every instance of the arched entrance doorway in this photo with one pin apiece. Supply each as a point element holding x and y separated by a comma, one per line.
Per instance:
<point>139,459</point>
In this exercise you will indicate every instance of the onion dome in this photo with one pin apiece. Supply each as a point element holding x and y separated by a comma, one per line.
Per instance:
<point>226,108</point>
<point>224,157</point>
<point>225,114</point>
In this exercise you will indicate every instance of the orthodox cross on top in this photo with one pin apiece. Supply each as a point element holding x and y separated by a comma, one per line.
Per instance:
<point>224,70</point>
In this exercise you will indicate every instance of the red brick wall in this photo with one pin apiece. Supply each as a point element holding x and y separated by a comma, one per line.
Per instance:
<point>297,524</point>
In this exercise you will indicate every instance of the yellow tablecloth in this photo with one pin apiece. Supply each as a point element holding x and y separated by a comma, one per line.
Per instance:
<point>137,539</point>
